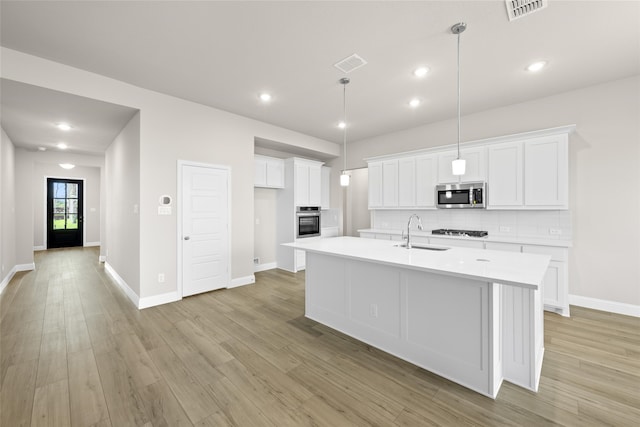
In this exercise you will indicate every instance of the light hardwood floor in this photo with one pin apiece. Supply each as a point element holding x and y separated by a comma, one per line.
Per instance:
<point>74,351</point>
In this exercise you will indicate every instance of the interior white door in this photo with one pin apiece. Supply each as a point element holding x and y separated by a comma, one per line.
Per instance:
<point>205,229</point>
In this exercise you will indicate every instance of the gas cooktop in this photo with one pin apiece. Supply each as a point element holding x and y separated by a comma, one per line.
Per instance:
<point>469,233</point>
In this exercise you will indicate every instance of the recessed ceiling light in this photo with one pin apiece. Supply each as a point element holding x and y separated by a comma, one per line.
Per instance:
<point>537,66</point>
<point>62,145</point>
<point>64,126</point>
<point>266,97</point>
<point>66,165</point>
<point>342,125</point>
<point>414,102</point>
<point>42,148</point>
<point>421,72</point>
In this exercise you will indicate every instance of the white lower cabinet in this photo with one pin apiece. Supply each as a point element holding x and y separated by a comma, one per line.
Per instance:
<point>555,286</point>
<point>300,260</point>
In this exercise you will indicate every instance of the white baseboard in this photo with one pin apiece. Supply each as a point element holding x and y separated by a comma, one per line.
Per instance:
<point>7,279</point>
<point>154,300</point>
<point>605,305</point>
<point>102,258</point>
<point>39,248</point>
<point>120,281</point>
<point>25,267</point>
<point>241,281</point>
<point>264,267</point>
<point>88,244</point>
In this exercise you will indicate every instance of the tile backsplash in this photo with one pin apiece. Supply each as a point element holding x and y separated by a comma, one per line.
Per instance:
<point>539,224</point>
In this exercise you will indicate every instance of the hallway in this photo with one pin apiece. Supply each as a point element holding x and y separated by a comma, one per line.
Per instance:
<point>75,351</point>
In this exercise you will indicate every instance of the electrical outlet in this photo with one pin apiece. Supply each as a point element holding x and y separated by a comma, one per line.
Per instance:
<point>373,310</point>
<point>555,231</point>
<point>504,229</point>
<point>256,261</point>
<point>161,278</point>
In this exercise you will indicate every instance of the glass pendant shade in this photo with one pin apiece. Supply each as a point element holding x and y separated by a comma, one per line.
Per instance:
<point>344,179</point>
<point>458,166</point>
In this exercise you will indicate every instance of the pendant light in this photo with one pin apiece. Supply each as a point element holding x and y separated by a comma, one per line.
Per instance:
<point>344,177</point>
<point>458,166</point>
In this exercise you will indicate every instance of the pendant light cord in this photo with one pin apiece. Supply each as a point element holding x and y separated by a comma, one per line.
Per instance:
<point>344,82</point>
<point>458,95</point>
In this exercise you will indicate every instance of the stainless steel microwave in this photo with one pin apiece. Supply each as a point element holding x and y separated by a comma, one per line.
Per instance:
<point>470,195</point>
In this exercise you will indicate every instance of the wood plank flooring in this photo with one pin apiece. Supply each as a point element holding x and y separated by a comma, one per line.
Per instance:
<point>74,351</point>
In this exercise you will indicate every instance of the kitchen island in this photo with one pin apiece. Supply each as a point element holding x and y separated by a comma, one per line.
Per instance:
<point>472,316</point>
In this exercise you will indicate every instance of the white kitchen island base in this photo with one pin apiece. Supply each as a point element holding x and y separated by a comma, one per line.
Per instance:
<point>474,332</point>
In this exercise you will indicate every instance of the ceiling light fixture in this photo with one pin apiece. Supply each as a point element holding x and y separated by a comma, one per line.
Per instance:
<point>265,97</point>
<point>537,66</point>
<point>62,146</point>
<point>421,72</point>
<point>342,125</point>
<point>63,126</point>
<point>458,166</point>
<point>344,177</point>
<point>415,102</point>
<point>67,165</point>
<point>42,148</point>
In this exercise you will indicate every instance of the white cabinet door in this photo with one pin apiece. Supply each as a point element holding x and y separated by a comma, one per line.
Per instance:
<point>302,185</point>
<point>260,174</point>
<point>505,183</point>
<point>375,185</point>
<point>315,185</point>
<point>426,180</point>
<point>407,182</point>
<point>390,183</point>
<point>275,173</point>
<point>546,172</point>
<point>499,246</point>
<point>475,165</point>
<point>326,187</point>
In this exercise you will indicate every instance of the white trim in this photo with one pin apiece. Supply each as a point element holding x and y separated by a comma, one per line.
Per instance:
<point>25,267</point>
<point>241,281</point>
<point>120,281</point>
<point>90,244</point>
<point>605,305</point>
<point>7,279</point>
<point>102,258</point>
<point>493,140</point>
<point>155,300</point>
<point>179,167</point>
<point>39,248</point>
<point>265,267</point>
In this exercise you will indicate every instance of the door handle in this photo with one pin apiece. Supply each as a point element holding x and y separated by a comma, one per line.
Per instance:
<point>186,237</point>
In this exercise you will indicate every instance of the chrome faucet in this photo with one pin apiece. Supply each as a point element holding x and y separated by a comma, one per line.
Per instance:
<point>409,228</point>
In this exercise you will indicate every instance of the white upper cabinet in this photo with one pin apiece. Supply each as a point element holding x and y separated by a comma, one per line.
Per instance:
<point>390,183</point>
<point>407,182</point>
<point>269,172</point>
<point>375,185</point>
<point>326,188</point>
<point>546,172</point>
<point>307,183</point>
<point>475,165</point>
<point>505,180</point>
<point>426,180</point>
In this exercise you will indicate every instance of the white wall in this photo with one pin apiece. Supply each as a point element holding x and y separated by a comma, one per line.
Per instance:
<point>265,207</point>
<point>122,175</point>
<point>91,213</point>
<point>7,209</point>
<point>171,129</point>
<point>604,174</point>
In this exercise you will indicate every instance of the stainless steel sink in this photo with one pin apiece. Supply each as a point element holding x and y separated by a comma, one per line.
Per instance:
<point>425,247</point>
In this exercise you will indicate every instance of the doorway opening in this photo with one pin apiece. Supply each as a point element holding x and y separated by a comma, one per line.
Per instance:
<point>64,213</point>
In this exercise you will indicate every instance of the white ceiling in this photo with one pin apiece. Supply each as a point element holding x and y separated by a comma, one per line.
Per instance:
<point>30,114</point>
<point>223,54</point>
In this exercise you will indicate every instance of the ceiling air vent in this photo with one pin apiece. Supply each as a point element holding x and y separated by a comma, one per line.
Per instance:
<point>519,8</point>
<point>350,63</point>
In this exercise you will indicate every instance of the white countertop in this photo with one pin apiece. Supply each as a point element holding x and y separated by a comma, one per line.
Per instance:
<point>510,268</point>
<point>561,243</point>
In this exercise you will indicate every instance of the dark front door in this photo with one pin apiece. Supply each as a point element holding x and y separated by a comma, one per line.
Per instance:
<point>64,213</point>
